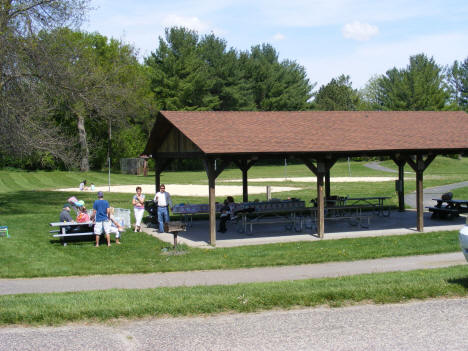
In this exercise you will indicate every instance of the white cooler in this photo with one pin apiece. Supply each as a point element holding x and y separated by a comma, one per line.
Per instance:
<point>463,237</point>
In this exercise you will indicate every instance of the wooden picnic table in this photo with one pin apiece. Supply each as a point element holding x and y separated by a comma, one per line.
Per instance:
<point>353,213</point>
<point>448,208</point>
<point>376,203</point>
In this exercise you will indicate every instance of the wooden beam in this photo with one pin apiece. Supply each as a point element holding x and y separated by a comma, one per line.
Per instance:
<point>310,165</point>
<point>210,171</point>
<point>220,168</point>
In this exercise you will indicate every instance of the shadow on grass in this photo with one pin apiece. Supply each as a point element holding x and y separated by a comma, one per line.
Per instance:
<point>24,202</point>
<point>461,281</point>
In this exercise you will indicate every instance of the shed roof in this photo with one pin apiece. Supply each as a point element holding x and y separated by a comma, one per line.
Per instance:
<point>219,132</point>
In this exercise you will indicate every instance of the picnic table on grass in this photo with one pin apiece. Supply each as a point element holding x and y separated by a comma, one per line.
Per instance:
<point>448,208</point>
<point>71,229</point>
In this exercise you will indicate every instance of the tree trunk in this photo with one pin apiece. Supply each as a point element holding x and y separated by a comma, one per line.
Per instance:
<point>84,164</point>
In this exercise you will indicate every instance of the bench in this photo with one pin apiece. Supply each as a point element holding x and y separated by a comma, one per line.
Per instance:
<point>291,223</point>
<point>352,212</point>
<point>443,212</point>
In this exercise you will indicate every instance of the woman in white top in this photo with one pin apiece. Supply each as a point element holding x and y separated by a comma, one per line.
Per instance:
<point>138,208</point>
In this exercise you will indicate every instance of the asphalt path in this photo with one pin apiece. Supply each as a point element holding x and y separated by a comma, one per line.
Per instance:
<point>422,325</point>
<point>231,276</point>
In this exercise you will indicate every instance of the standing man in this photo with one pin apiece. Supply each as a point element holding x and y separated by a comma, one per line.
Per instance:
<point>101,216</point>
<point>164,201</point>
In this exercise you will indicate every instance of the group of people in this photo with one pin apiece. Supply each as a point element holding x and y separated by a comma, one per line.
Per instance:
<point>84,187</point>
<point>102,215</point>
<point>163,201</point>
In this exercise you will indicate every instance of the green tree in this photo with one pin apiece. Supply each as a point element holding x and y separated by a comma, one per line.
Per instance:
<point>458,81</point>
<point>337,95</point>
<point>25,126</point>
<point>92,83</point>
<point>200,73</point>
<point>275,85</point>
<point>420,86</point>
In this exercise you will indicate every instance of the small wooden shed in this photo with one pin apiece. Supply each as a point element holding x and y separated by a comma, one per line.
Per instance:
<point>318,138</point>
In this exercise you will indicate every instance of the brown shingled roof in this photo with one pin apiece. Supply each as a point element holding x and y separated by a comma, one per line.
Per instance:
<point>217,132</point>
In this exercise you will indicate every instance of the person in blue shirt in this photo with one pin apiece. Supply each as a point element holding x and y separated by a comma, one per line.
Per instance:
<point>101,217</point>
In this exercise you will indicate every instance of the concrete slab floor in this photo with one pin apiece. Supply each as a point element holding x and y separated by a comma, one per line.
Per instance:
<point>398,223</point>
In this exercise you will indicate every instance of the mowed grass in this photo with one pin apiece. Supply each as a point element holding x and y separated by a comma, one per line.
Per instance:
<point>58,308</point>
<point>32,252</point>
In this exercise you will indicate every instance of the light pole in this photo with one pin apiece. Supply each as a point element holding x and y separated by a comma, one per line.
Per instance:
<point>109,153</point>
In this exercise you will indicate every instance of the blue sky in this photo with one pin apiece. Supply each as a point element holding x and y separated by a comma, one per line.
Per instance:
<point>360,38</point>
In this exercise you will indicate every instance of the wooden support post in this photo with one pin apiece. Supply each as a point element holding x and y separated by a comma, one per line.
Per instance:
<point>319,171</point>
<point>327,183</point>
<point>157,180</point>
<point>401,188</point>
<point>420,199</point>
<point>320,206</point>
<point>211,173</point>
<point>419,165</point>
<point>244,166</point>
<point>400,162</point>
<point>159,166</point>
<point>245,186</point>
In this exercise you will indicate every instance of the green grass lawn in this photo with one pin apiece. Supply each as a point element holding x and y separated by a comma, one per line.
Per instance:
<point>32,252</point>
<point>59,308</point>
<point>27,206</point>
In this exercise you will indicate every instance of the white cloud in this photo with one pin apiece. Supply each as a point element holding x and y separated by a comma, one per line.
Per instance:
<point>279,36</point>
<point>359,31</point>
<point>182,21</point>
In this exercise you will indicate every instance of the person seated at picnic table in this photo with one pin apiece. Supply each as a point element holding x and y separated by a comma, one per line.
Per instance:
<point>116,228</point>
<point>227,212</point>
<point>66,217</point>
<point>83,215</point>
<point>65,214</point>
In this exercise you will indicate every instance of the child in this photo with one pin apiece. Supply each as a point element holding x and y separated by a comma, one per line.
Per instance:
<point>82,215</point>
<point>115,226</point>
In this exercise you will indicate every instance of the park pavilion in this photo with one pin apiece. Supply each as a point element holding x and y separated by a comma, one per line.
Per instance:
<point>317,138</point>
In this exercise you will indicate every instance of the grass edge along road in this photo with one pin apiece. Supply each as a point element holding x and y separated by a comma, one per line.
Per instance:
<point>143,254</point>
<point>100,306</point>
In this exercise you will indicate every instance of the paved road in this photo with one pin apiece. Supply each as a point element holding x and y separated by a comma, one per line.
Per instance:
<point>427,325</point>
<point>433,193</point>
<point>232,276</point>
<point>428,193</point>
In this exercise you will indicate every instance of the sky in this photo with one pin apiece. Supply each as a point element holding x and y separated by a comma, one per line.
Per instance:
<point>359,38</point>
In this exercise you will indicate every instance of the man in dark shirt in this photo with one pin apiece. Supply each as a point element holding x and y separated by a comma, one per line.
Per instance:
<point>65,214</point>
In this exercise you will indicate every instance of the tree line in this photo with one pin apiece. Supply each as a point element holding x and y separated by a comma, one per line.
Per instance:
<point>69,99</point>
